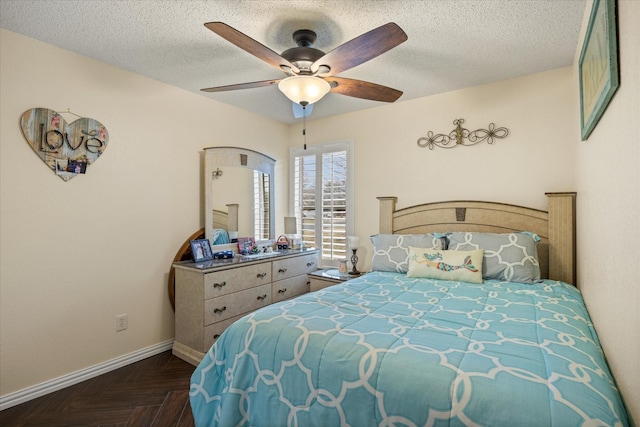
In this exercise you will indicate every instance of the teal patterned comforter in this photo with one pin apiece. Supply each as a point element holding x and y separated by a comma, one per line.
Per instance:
<point>387,350</point>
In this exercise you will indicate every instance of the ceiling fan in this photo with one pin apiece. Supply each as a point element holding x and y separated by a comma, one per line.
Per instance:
<point>310,72</point>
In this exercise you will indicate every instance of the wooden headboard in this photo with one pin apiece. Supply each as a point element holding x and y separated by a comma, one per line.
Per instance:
<point>227,220</point>
<point>556,226</point>
<point>220,219</point>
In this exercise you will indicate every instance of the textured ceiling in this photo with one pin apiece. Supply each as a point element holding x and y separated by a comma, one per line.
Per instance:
<point>452,44</point>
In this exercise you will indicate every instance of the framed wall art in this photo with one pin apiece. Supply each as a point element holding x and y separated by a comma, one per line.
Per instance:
<point>598,65</point>
<point>67,148</point>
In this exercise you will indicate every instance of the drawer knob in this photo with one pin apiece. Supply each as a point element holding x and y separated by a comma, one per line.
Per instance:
<point>282,291</point>
<point>219,285</point>
<point>261,275</point>
<point>309,264</point>
<point>282,270</point>
<point>261,298</point>
<point>219,310</point>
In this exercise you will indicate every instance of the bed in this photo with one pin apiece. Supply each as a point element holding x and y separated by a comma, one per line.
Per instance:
<point>396,347</point>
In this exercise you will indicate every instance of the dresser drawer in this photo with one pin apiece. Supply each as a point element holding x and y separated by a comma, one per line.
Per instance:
<point>289,288</point>
<point>290,267</point>
<point>212,332</point>
<point>236,279</point>
<point>231,305</point>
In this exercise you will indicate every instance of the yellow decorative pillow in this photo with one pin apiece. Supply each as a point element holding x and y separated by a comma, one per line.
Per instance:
<point>464,266</point>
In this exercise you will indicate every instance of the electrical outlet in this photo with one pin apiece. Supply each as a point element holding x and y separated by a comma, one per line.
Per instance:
<point>121,322</point>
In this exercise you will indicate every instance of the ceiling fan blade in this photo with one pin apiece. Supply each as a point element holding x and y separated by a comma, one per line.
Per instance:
<point>361,49</point>
<point>363,90</point>
<point>241,86</point>
<point>255,48</point>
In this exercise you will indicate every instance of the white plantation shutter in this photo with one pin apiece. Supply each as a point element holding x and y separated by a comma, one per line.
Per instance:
<point>334,205</point>
<point>261,205</point>
<point>321,198</point>
<point>305,198</point>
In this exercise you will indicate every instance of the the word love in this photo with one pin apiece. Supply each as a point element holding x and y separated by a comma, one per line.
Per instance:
<point>67,148</point>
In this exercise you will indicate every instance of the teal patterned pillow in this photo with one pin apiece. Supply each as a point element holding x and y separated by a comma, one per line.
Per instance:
<point>512,257</point>
<point>391,251</point>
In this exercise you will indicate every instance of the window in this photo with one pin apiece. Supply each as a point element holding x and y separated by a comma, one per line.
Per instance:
<point>261,208</point>
<point>321,186</point>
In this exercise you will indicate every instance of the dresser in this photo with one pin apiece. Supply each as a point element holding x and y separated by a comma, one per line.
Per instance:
<point>210,296</point>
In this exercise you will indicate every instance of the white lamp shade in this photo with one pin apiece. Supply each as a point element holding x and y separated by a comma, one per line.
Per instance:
<point>290,225</point>
<point>353,242</point>
<point>304,89</point>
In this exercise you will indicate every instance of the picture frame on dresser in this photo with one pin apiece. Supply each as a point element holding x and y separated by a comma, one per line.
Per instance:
<point>598,65</point>
<point>201,250</point>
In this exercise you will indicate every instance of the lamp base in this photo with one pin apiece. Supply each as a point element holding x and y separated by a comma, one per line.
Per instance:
<point>354,262</point>
<point>295,242</point>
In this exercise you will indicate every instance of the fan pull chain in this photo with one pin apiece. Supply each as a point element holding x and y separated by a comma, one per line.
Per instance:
<point>304,125</point>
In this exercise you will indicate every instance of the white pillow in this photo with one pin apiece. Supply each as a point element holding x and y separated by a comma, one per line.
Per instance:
<point>463,266</point>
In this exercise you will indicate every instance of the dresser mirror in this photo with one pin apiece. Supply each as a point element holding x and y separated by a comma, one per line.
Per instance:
<point>239,194</point>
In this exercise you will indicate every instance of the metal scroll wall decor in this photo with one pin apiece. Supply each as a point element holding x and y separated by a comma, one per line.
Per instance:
<point>462,136</point>
<point>67,148</point>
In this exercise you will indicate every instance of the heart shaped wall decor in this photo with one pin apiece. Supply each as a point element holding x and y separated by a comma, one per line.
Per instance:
<point>67,148</point>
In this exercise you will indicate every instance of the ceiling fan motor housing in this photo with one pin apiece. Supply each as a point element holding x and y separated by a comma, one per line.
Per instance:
<point>303,55</point>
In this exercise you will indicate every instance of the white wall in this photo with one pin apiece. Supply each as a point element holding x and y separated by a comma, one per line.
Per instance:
<point>608,205</point>
<point>536,158</point>
<point>75,254</point>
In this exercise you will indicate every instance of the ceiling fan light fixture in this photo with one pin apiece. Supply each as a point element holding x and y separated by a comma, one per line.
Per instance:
<point>304,90</point>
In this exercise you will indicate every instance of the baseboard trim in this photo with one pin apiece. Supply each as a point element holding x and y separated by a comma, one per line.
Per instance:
<point>30,393</point>
<point>187,354</point>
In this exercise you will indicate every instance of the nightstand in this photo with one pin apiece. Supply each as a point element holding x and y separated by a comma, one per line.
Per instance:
<point>322,278</point>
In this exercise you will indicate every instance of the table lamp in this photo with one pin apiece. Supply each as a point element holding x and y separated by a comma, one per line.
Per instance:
<point>353,242</point>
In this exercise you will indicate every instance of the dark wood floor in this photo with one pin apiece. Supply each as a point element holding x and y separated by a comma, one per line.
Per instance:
<point>152,392</point>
